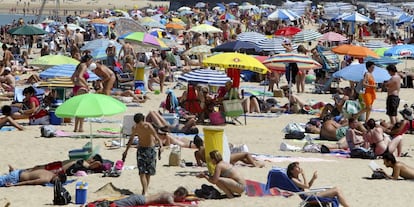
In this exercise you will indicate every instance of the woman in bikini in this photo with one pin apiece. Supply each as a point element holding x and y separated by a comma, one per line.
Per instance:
<point>163,71</point>
<point>225,176</point>
<point>381,143</point>
<point>154,64</point>
<point>79,79</point>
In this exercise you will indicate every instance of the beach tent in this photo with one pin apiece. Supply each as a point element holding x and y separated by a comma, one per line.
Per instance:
<point>215,139</point>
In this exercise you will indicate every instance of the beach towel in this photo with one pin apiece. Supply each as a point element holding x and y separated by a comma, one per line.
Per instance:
<point>257,189</point>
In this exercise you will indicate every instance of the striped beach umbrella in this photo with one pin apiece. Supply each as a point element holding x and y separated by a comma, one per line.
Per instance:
<point>273,45</point>
<point>333,37</point>
<point>253,37</point>
<point>376,44</point>
<point>205,76</point>
<point>145,38</point>
<point>278,62</point>
<point>283,14</point>
<point>357,17</point>
<point>306,36</point>
<point>383,61</point>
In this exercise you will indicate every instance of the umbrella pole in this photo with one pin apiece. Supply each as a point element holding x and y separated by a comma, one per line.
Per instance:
<point>90,130</point>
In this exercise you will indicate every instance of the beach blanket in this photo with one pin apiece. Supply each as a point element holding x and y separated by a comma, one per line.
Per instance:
<point>108,130</point>
<point>264,115</point>
<point>93,204</point>
<point>276,158</point>
<point>65,183</point>
<point>61,133</point>
<point>7,128</point>
<point>257,189</point>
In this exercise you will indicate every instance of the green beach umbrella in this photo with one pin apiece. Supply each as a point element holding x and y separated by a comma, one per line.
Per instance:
<point>52,60</point>
<point>27,30</point>
<point>380,51</point>
<point>90,105</point>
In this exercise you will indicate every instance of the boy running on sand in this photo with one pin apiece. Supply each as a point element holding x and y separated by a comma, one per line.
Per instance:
<point>146,154</point>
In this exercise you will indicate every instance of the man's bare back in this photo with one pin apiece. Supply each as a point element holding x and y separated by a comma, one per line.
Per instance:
<point>35,177</point>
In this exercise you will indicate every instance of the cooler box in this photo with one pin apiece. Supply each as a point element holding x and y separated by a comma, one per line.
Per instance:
<point>139,85</point>
<point>81,192</point>
<point>54,120</point>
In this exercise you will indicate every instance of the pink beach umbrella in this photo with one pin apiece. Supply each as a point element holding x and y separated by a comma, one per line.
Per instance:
<point>333,37</point>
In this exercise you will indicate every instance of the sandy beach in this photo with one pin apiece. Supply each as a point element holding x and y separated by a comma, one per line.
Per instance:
<point>262,135</point>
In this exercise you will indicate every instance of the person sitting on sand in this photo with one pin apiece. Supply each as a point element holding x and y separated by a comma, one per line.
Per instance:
<point>7,80</point>
<point>156,119</point>
<point>225,176</point>
<point>381,143</point>
<point>244,157</point>
<point>31,108</point>
<point>29,177</point>
<point>399,169</point>
<point>337,107</point>
<point>294,170</point>
<point>173,199</point>
<point>7,118</point>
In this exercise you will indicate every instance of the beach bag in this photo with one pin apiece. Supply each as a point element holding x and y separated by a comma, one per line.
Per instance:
<point>47,131</point>
<point>216,118</point>
<point>208,192</point>
<point>363,154</point>
<point>378,175</point>
<point>175,156</point>
<point>295,135</point>
<point>60,195</point>
<point>233,107</point>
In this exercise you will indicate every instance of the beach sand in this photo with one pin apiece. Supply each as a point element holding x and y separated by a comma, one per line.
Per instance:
<point>24,149</point>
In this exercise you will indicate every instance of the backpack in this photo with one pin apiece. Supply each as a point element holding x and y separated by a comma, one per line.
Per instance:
<point>60,195</point>
<point>208,192</point>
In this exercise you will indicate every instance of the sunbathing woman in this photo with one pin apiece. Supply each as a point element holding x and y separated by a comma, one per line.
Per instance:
<point>293,171</point>
<point>156,119</point>
<point>225,176</point>
<point>380,143</point>
<point>167,140</point>
<point>6,118</point>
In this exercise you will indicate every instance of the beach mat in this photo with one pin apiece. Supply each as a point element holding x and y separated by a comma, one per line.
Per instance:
<point>257,189</point>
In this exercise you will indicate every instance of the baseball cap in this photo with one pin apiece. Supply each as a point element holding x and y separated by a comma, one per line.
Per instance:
<point>92,66</point>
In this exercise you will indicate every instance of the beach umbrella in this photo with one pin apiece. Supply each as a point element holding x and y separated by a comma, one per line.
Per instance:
<point>357,17</point>
<point>200,5</point>
<point>145,38</point>
<point>64,70</point>
<point>199,50</point>
<point>238,46</point>
<point>99,21</point>
<point>26,30</point>
<point>376,44</point>
<point>283,14</point>
<point>354,51</point>
<point>150,22</point>
<point>380,51</point>
<point>205,28</point>
<point>278,62</point>
<point>100,53</point>
<point>184,8</point>
<point>99,43</point>
<point>51,60</point>
<point>173,25</point>
<point>355,72</point>
<point>306,36</point>
<point>205,76</point>
<point>287,31</point>
<point>333,37</point>
<point>236,61</point>
<point>185,12</point>
<point>72,27</point>
<point>383,61</point>
<point>227,16</point>
<point>273,45</point>
<point>127,25</point>
<point>405,50</point>
<point>90,105</point>
<point>253,37</point>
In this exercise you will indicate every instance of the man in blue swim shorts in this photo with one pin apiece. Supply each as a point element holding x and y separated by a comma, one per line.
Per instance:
<point>146,154</point>
<point>29,177</point>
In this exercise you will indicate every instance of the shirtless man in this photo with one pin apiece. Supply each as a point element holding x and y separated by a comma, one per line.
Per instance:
<point>7,80</point>
<point>399,169</point>
<point>29,177</point>
<point>146,154</point>
<point>78,38</point>
<point>7,55</point>
<point>6,118</point>
<point>160,198</point>
<point>393,89</point>
<point>107,76</point>
<point>126,49</point>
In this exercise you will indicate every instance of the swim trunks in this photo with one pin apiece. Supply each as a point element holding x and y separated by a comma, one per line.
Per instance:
<point>341,132</point>
<point>13,177</point>
<point>132,200</point>
<point>392,105</point>
<point>146,160</point>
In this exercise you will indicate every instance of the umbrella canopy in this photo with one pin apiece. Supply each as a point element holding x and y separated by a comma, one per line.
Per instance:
<point>237,61</point>
<point>173,25</point>
<point>237,46</point>
<point>227,16</point>
<point>199,50</point>
<point>273,45</point>
<point>376,44</point>
<point>127,25</point>
<point>100,53</point>
<point>205,28</point>
<point>145,38</point>
<point>306,36</point>
<point>357,17</point>
<point>283,14</point>
<point>65,70</point>
<point>333,37</point>
<point>401,51</point>
<point>51,60</point>
<point>99,43</point>
<point>355,72</point>
<point>253,37</point>
<point>27,30</point>
<point>354,51</point>
<point>184,8</point>
<point>151,24</point>
<point>384,60</point>
<point>205,76</point>
<point>287,31</point>
<point>73,27</point>
<point>278,62</point>
<point>200,5</point>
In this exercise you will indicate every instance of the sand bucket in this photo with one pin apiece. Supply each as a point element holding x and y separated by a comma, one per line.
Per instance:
<point>214,139</point>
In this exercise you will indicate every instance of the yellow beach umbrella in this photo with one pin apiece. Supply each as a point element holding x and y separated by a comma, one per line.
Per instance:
<point>205,28</point>
<point>237,61</point>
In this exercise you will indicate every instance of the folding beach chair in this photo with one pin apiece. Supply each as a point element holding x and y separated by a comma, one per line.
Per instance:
<point>278,178</point>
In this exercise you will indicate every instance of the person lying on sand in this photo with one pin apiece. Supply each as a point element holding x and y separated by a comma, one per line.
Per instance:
<point>6,118</point>
<point>167,140</point>
<point>399,169</point>
<point>172,199</point>
<point>29,177</point>
<point>244,157</point>
<point>156,119</point>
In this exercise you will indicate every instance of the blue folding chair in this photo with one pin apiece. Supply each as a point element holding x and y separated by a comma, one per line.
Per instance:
<point>279,179</point>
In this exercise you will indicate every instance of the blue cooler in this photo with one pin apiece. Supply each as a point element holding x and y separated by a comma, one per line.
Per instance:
<point>54,120</point>
<point>81,192</point>
<point>140,85</point>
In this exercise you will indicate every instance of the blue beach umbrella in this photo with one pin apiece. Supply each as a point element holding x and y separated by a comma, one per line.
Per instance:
<point>357,17</point>
<point>205,76</point>
<point>400,51</point>
<point>355,72</point>
<point>65,70</point>
<point>283,14</point>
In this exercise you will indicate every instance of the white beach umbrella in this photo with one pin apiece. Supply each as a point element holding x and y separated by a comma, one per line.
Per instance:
<point>253,37</point>
<point>283,14</point>
<point>306,35</point>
